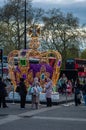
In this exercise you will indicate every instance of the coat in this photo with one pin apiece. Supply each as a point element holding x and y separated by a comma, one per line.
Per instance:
<point>22,89</point>
<point>48,89</point>
<point>3,92</point>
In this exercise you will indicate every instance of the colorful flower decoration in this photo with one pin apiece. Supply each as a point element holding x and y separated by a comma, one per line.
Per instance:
<point>31,63</point>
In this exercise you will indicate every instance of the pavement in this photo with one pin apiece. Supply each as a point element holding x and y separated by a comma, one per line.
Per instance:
<point>57,117</point>
<point>14,107</point>
<point>62,116</point>
<point>65,98</point>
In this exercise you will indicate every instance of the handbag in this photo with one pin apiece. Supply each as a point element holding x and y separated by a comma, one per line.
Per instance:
<point>29,91</point>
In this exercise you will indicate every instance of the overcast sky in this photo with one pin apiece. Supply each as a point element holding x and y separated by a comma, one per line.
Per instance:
<point>60,1</point>
<point>77,7</point>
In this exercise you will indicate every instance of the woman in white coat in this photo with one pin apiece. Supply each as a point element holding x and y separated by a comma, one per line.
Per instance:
<point>35,90</point>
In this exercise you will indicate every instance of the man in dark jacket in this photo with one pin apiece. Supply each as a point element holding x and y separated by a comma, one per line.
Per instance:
<point>22,92</point>
<point>3,94</point>
<point>77,92</point>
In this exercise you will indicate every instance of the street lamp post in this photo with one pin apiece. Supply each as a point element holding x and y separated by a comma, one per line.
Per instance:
<point>25,27</point>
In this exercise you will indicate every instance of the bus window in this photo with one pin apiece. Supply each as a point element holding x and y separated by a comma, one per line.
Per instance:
<point>70,64</point>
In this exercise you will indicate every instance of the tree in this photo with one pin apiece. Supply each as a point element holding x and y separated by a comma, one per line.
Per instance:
<point>60,31</point>
<point>83,54</point>
<point>37,14</point>
<point>7,41</point>
<point>12,17</point>
<point>74,53</point>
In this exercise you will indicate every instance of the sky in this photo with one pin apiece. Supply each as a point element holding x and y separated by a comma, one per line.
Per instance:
<point>77,7</point>
<point>60,1</point>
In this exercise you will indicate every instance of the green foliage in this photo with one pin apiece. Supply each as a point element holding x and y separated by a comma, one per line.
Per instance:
<point>12,25</point>
<point>73,52</point>
<point>83,54</point>
<point>59,31</point>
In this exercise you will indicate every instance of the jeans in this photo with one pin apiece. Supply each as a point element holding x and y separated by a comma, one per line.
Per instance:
<point>49,102</point>
<point>22,101</point>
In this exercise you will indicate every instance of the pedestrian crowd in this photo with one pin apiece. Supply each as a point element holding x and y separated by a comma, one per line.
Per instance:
<point>34,90</point>
<point>64,86</point>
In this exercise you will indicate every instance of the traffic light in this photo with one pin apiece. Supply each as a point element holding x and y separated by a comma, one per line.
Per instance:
<point>1,55</point>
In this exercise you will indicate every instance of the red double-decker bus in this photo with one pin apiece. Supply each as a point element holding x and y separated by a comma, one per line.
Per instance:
<point>78,65</point>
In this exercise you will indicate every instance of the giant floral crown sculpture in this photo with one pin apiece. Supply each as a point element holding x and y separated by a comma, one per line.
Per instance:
<point>31,63</point>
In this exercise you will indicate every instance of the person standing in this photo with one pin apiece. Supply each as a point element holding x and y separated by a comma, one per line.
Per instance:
<point>22,93</point>
<point>77,92</point>
<point>48,90</point>
<point>35,90</point>
<point>63,81</point>
<point>84,92</point>
<point>69,87</point>
<point>3,94</point>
